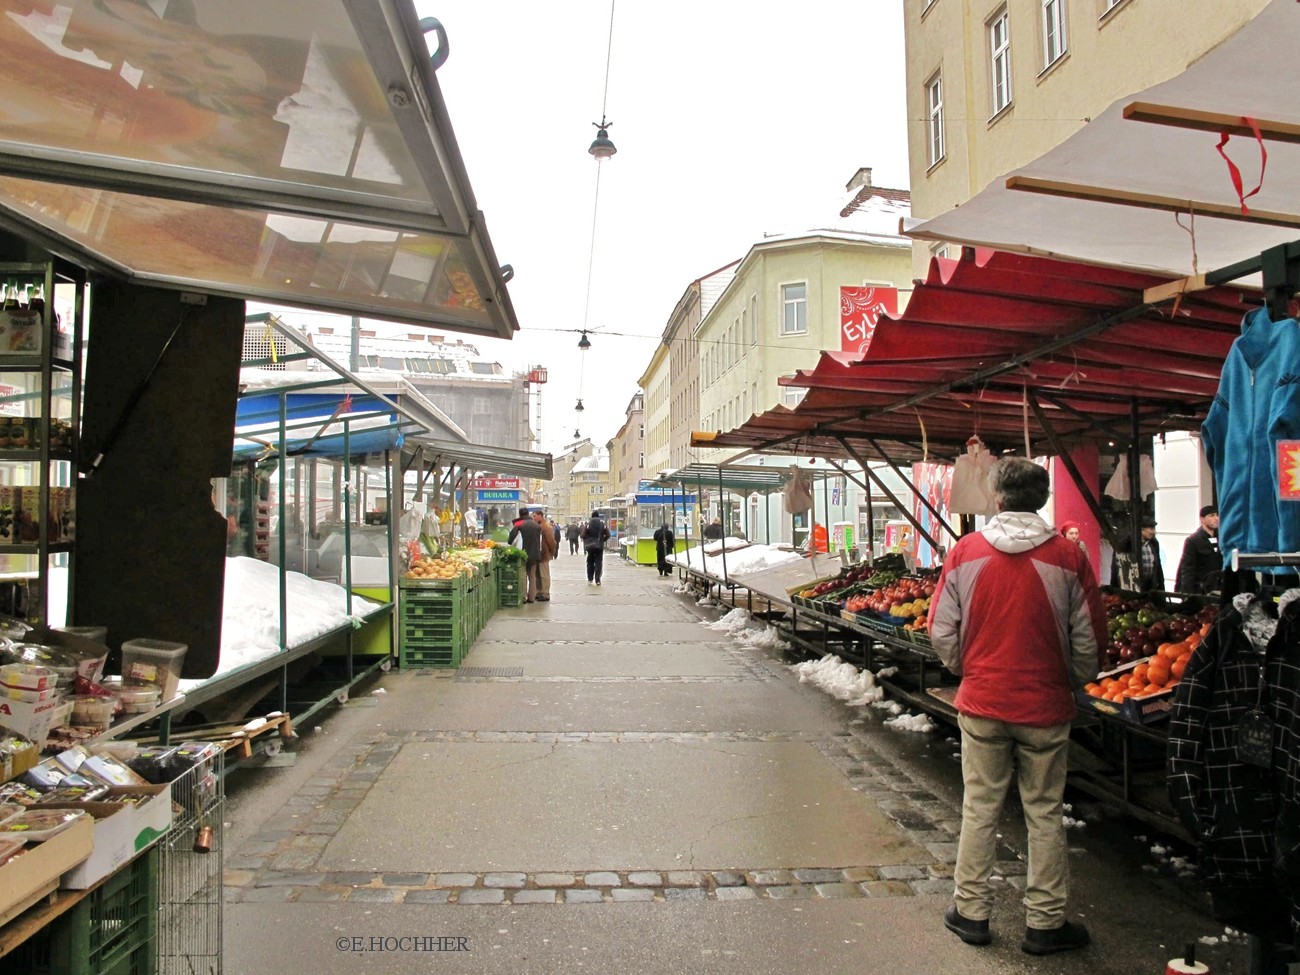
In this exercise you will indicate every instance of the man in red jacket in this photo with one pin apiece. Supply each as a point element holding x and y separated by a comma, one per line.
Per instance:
<point>1017,615</point>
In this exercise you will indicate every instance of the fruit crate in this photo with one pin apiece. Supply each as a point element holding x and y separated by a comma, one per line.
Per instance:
<point>432,654</point>
<point>510,585</point>
<point>112,931</point>
<point>456,584</point>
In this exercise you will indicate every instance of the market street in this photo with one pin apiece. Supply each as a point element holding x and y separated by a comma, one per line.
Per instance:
<point>608,785</point>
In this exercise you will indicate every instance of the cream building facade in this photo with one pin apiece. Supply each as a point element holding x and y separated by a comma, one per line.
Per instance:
<point>589,485</point>
<point>627,454</point>
<point>656,383</point>
<point>779,312</point>
<point>994,84</point>
<point>558,493</point>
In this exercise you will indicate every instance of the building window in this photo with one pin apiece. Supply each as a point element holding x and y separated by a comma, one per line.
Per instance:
<point>1054,43</point>
<point>753,319</point>
<point>792,395</point>
<point>934,118</point>
<point>794,304</point>
<point>1000,59</point>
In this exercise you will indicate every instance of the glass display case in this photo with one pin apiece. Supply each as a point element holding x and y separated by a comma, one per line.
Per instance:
<point>40,414</point>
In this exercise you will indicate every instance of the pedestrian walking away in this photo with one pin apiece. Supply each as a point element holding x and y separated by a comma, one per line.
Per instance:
<point>573,533</point>
<point>1201,567</point>
<point>665,543</point>
<point>529,535</point>
<point>550,549</point>
<point>1017,598</point>
<point>594,536</point>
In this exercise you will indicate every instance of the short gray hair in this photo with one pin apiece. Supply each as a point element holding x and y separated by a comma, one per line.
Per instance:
<point>1019,484</point>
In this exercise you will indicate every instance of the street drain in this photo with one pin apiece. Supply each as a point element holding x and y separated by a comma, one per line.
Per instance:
<point>468,673</point>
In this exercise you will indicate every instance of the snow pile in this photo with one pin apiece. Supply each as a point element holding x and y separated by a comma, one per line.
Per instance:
<point>1069,821</point>
<point>763,638</point>
<point>733,623</point>
<point>911,722</point>
<point>708,602</point>
<point>250,623</point>
<point>1183,866</point>
<point>841,680</point>
<point>750,558</point>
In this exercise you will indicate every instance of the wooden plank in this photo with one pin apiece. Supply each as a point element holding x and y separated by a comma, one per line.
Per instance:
<point>1172,289</point>
<point>27,903</point>
<point>1192,118</point>
<point>1150,201</point>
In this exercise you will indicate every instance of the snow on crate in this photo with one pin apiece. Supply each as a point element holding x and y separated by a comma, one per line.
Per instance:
<point>839,679</point>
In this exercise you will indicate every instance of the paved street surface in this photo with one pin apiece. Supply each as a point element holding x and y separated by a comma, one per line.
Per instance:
<point>608,786</point>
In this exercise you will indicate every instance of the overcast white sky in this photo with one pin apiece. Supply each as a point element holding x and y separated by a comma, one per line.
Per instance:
<point>731,118</point>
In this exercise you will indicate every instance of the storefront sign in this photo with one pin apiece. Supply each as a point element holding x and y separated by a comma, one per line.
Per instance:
<point>8,406</point>
<point>860,311</point>
<point>496,484</point>
<point>492,496</point>
<point>1288,470</point>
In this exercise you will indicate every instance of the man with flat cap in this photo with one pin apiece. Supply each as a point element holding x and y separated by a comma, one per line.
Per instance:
<point>1151,574</point>
<point>1201,567</point>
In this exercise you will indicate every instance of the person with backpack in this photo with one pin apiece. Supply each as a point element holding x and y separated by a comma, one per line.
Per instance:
<point>594,536</point>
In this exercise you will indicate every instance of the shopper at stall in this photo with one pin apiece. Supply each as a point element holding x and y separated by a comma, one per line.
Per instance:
<point>1201,567</point>
<point>529,535</point>
<point>665,545</point>
<point>550,549</point>
<point>1016,598</point>
<point>1151,575</point>
<point>572,533</point>
<point>1073,532</point>
<point>594,536</point>
<point>713,531</point>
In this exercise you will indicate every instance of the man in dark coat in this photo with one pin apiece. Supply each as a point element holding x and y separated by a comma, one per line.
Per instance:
<point>594,536</point>
<point>529,534</point>
<point>713,531</point>
<point>1201,567</point>
<point>1151,575</point>
<point>572,533</point>
<point>665,545</point>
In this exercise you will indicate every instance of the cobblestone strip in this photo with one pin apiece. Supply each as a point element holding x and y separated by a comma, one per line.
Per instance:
<point>603,886</point>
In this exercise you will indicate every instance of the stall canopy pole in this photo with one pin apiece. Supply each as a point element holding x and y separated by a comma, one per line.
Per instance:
<point>722,500</point>
<point>920,494</point>
<point>280,466</point>
<point>826,511</point>
<point>871,524</point>
<point>686,520</point>
<point>1135,489</point>
<point>884,488</point>
<point>1063,453</point>
<point>767,517</point>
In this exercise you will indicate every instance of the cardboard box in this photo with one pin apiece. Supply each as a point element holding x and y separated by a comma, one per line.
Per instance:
<point>24,878</point>
<point>121,831</point>
<point>30,719</point>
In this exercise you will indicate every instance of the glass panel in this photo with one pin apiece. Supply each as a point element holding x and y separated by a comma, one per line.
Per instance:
<point>297,260</point>
<point>279,90</point>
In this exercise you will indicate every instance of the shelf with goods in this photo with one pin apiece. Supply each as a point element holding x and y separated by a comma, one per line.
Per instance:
<point>444,602</point>
<point>40,410</point>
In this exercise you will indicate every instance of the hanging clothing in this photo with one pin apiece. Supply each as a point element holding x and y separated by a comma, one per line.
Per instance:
<point>970,494</point>
<point>1257,405</point>
<point>1117,487</point>
<point>1245,818</point>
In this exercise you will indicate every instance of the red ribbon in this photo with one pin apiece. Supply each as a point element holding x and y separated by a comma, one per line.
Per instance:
<point>1235,173</point>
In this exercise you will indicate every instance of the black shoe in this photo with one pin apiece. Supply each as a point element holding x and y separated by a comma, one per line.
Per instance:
<point>1067,937</point>
<point>543,599</point>
<point>971,932</point>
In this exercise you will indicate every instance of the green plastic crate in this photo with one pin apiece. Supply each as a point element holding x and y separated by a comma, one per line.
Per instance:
<point>112,931</point>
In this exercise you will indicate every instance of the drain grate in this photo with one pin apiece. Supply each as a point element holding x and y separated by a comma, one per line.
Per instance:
<point>468,672</point>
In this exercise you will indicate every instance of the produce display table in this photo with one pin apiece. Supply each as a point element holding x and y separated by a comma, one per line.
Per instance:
<point>440,618</point>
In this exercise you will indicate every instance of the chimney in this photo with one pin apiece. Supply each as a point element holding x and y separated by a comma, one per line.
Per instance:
<point>415,336</point>
<point>326,330</point>
<point>368,333</point>
<point>861,178</point>
<point>436,339</point>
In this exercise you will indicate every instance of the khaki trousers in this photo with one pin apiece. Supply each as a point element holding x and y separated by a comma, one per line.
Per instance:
<point>533,573</point>
<point>544,579</point>
<point>990,751</point>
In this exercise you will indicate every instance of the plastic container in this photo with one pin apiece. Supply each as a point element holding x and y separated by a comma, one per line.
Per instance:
<point>155,661</point>
<point>134,696</point>
<point>93,712</point>
<point>97,633</point>
<point>28,677</point>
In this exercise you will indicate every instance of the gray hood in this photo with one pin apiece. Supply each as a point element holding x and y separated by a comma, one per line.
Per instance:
<point>1017,531</point>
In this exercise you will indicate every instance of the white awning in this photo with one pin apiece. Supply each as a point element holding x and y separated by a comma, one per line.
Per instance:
<point>1141,163</point>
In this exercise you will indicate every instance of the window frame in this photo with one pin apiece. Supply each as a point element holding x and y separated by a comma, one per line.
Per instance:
<point>1000,77</point>
<point>935,144</point>
<point>1052,16</point>
<point>792,396</point>
<point>788,303</point>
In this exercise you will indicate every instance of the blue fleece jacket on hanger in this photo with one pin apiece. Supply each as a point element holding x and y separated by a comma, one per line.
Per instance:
<point>1257,405</point>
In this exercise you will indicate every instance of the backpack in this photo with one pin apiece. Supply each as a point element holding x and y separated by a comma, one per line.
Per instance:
<point>594,535</point>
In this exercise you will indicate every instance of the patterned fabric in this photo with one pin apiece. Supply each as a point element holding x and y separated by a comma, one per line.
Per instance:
<point>1245,818</point>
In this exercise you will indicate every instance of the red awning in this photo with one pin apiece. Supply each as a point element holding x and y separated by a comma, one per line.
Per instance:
<point>983,336</point>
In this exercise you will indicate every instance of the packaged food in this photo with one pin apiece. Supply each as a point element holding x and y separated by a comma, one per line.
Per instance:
<point>29,697</point>
<point>8,810</point>
<point>156,764</point>
<point>10,848</point>
<point>89,711</point>
<point>39,824</point>
<point>191,753</point>
<point>134,696</point>
<point>20,793</point>
<point>156,661</point>
<point>17,754</point>
<point>28,677</point>
<point>62,661</point>
<point>110,771</point>
<point>74,793</point>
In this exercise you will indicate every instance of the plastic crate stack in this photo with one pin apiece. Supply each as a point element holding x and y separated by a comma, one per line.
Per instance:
<point>510,584</point>
<point>433,630</point>
<point>110,932</point>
